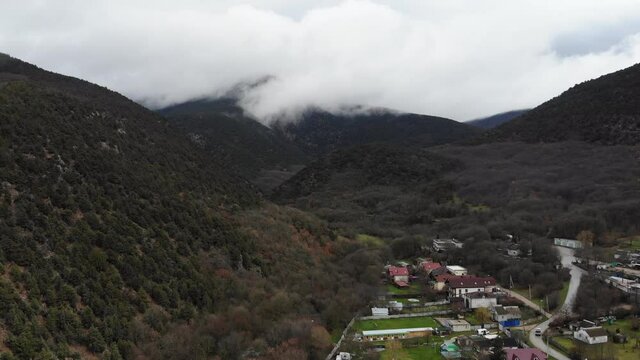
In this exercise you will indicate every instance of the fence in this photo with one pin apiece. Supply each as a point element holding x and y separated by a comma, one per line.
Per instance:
<point>334,351</point>
<point>398,316</point>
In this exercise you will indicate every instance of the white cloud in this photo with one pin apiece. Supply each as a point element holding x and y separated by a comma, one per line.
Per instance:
<point>456,58</point>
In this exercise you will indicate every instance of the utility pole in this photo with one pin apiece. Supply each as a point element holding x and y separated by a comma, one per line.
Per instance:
<point>547,297</point>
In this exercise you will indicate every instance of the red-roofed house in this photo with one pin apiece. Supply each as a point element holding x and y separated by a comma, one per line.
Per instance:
<point>525,354</point>
<point>427,267</point>
<point>440,281</point>
<point>460,285</point>
<point>398,275</point>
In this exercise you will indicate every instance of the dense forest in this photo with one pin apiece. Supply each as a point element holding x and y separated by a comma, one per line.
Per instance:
<point>605,111</point>
<point>254,150</point>
<point>481,195</point>
<point>120,238</point>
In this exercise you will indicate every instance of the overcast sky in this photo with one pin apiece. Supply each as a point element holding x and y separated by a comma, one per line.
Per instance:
<point>460,59</point>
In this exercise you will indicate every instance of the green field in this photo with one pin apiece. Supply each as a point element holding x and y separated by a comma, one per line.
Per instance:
<point>401,323</point>
<point>623,325</point>
<point>567,343</point>
<point>632,242</point>
<point>414,288</point>
<point>415,353</point>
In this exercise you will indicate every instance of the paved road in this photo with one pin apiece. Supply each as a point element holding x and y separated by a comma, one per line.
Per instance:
<point>527,302</point>
<point>576,275</point>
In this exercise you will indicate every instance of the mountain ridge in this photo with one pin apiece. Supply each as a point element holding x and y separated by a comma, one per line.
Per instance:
<point>605,110</point>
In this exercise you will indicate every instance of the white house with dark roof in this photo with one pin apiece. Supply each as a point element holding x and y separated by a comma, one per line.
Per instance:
<point>460,285</point>
<point>591,335</point>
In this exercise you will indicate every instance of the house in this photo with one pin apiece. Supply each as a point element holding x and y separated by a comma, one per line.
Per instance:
<point>449,350</point>
<point>457,325</point>
<point>438,271</point>
<point>480,345</point>
<point>506,316</point>
<point>569,243</point>
<point>377,335</point>
<point>440,282</point>
<point>460,285</point>
<point>443,245</point>
<point>591,335</point>
<point>426,267</point>
<point>577,325</point>
<point>456,270</point>
<point>480,299</point>
<point>398,275</point>
<point>525,354</point>
<point>626,285</point>
<point>343,356</point>
<point>377,311</point>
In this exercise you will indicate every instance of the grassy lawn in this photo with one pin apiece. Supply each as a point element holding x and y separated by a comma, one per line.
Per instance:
<point>624,326</point>
<point>414,288</point>
<point>632,242</point>
<point>565,341</point>
<point>414,353</point>
<point>401,323</point>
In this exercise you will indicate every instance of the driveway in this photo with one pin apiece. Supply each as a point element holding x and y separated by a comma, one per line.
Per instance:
<point>576,275</point>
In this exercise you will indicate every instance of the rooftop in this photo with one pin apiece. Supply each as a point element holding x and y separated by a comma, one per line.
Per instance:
<point>394,331</point>
<point>397,271</point>
<point>453,322</point>
<point>455,268</point>
<point>430,265</point>
<point>525,354</point>
<point>595,331</point>
<point>504,310</point>
<point>480,295</point>
<point>470,281</point>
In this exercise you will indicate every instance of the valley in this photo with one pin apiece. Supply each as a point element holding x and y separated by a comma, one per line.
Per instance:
<point>195,231</point>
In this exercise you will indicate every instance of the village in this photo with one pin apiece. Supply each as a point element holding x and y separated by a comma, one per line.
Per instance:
<point>434,310</point>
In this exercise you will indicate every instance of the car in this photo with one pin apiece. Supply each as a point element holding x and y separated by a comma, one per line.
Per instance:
<point>537,332</point>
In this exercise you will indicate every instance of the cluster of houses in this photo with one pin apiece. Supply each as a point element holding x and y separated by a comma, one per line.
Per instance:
<point>481,346</point>
<point>631,258</point>
<point>629,286</point>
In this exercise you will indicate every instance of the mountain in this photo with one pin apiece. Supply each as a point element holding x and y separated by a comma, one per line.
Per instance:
<point>605,110</point>
<point>269,155</point>
<point>496,120</point>
<point>319,132</point>
<point>248,147</point>
<point>372,188</point>
<point>120,238</point>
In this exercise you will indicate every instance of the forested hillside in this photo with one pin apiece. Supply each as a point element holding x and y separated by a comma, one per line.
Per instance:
<point>241,143</point>
<point>318,132</point>
<point>119,238</point>
<point>605,110</point>
<point>478,194</point>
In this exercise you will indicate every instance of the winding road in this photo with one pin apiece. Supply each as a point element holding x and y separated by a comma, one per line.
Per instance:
<point>576,275</point>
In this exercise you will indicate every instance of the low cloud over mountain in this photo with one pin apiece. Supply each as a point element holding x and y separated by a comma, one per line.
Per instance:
<point>457,59</point>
